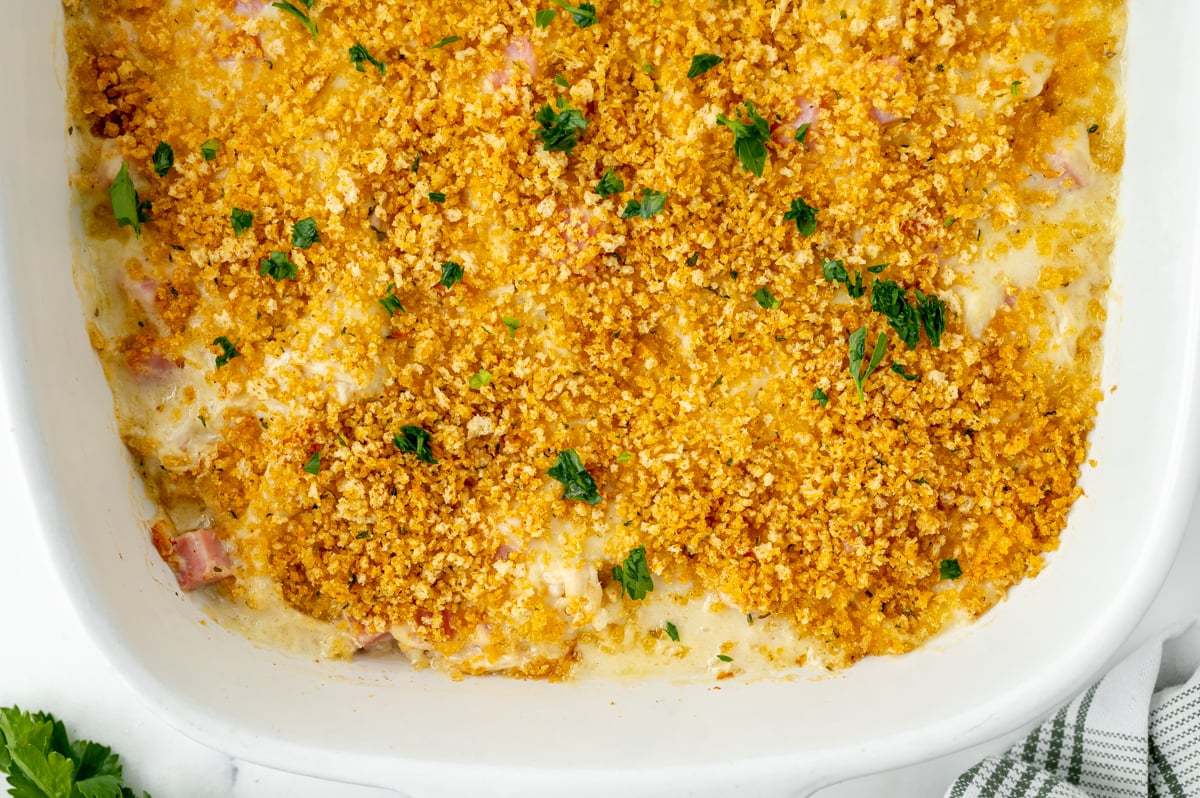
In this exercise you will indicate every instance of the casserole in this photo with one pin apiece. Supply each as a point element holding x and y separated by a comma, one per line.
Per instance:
<point>373,723</point>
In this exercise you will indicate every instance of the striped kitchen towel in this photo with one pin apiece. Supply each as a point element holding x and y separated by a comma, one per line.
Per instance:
<point>1119,739</point>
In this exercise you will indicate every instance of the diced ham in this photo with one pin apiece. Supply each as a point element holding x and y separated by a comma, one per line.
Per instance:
<point>1074,167</point>
<point>250,8</point>
<point>518,51</point>
<point>785,133</point>
<point>881,116</point>
<point>151,365</point>
<point>143,292</point>
<point>363,637</point>
<point>201,559</point>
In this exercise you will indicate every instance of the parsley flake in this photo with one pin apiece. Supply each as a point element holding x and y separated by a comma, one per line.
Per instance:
<point>209,149</point>
<point>359,56</point>
<point>391,303</point>
<point>749,139</point>
<point>701,63</point>
<point>821,397</point>
<point>437,196</point>
<point>584,15</point>
<point>634,575</point>
<point>651,204</point>
<point>949,569</point>
<point>559,80</point>
<point>578,484</point>
<point>452,273</point>
<point>933,317</point>
<point>164,158</point>
<point>127,207</point>
<point>889,299</point>
<point>415,440</point>
<point>300,15</point>
<point>802,132</point>
<point>279,267</point>
<point>899,369</point>
<point>313,466</point>
<point>480,379</point>
<point>512,324</point>
<point>878,268</point>
<point>804,215</point>
<point>544,17</point>
<point>305,233</point>
<point>624,457</point>
<point>858,373</point>
<point>725,658</point>
<point>610,184</point>
<point>560,129</point>
<point>672,632</point>
<point>241,220</point>
<point>442,42</point>
<point>229,351</point>
<point>765,299</point>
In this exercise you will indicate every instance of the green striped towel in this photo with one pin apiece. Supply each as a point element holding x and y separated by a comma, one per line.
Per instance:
<point>1120,739</point>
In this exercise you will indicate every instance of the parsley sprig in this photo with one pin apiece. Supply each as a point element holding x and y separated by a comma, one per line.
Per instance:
<point>415,440</point>
<point>42,761</point>
<point>560,129</point>
<point>359,55</point>
<point>304,18</point>
<point>229,351</point>
<point>634,575</point>
<point>750,138</point>
<point>578,484</point>
<point>128,208</point>
<point>804,215</point>
<point>651,204</point>
<point>610,184</point>
<point>279,267</point>
<point>907,318</point>
<point>858,346</point>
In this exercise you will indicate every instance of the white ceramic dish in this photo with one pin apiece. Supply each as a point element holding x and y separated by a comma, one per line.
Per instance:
<point>373,723</point>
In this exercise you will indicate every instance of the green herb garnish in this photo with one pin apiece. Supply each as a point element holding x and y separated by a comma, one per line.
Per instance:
<point>442,42</point>
<point>634,575</point>
<point>577,483</point>
<point>300,15</point>
<point>624,457</point>
<point>765,299</point>
<point>651,204</point>
<point>544,17</point>
<point>209,149</point>
<point>878,268</point>
<point>229,351</point>
<point>164,158</point>
<point>672,632</point>
<point>933,317</point>
<point>889,299</point>
<point>559,80</point>
<point>725,658</point>
<point>821,397</point>
<point>437,196</point>
<point>560,129</point>
<point>804,215</point>
<point>858,372</point>
<point>305,233</point>
<point>949,569</point>
<point>415,440</point>
<point>127,207</point>
<point>584,15</point>
<point>313,466</point>
<point>610,184</point>
<point>391,303</point>
<point>359,56</point>
<point>749,139</point>
<point>480,379</point>
<point>899,369</point>
<point>802,132</point>
<point>452,274</point>
<point>701,63</point>
<point>279,267</point>
<point>512,324</point>
<point>241,220</point>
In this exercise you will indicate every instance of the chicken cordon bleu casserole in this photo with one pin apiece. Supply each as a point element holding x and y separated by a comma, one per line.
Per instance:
<point>635,337</point>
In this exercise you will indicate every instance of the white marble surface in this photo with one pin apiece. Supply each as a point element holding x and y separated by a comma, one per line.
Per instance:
<point>47,661</point>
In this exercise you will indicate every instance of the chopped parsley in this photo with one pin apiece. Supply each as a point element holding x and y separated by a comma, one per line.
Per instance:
<point>559,80</point>
<point>305,233</point>
<point>209,149</point>
<point>859,373</point>
<point>749,139</point>
<point>241,220</point>
<point>802,132</point>
<point>949,569</point>
<point>279,267</point>
<point>544,17</point>
<point>359,56</point>
<point>835,272</point>
<point>229,351</point>
<point>725,658</point>
<point>804,215</point>
<point>672,632</point>
<point>765,299</point>
<point>584,15</point>
<point>821,397</point>
<point>651,204</point>
<point>127,207</point>
<point>164,158</point>
<point>416,164</point>
<point>1093,128</point>
<point>577,483</point>
<point>889,299</point>
<point>512,324</point>
<point>437,196</point>
<point>1016,87</point>
<point>610,184</point>
<point>634,575</point>
<point>701,63</point>
<point>300,15</point>
<point>480,379</point>
<point>878,268</point>
<point>415,440</point>
<point>391,303</point>
<point>933,317</point>
<point>624,457</point>
<point>442,42</point>
<point>452,273</point>
<point>313,466</point>
<point>560,129</point>
<point>899,369</point>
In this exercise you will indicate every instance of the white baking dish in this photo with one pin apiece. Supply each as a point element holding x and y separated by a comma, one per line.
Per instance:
<point>375,722</point>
